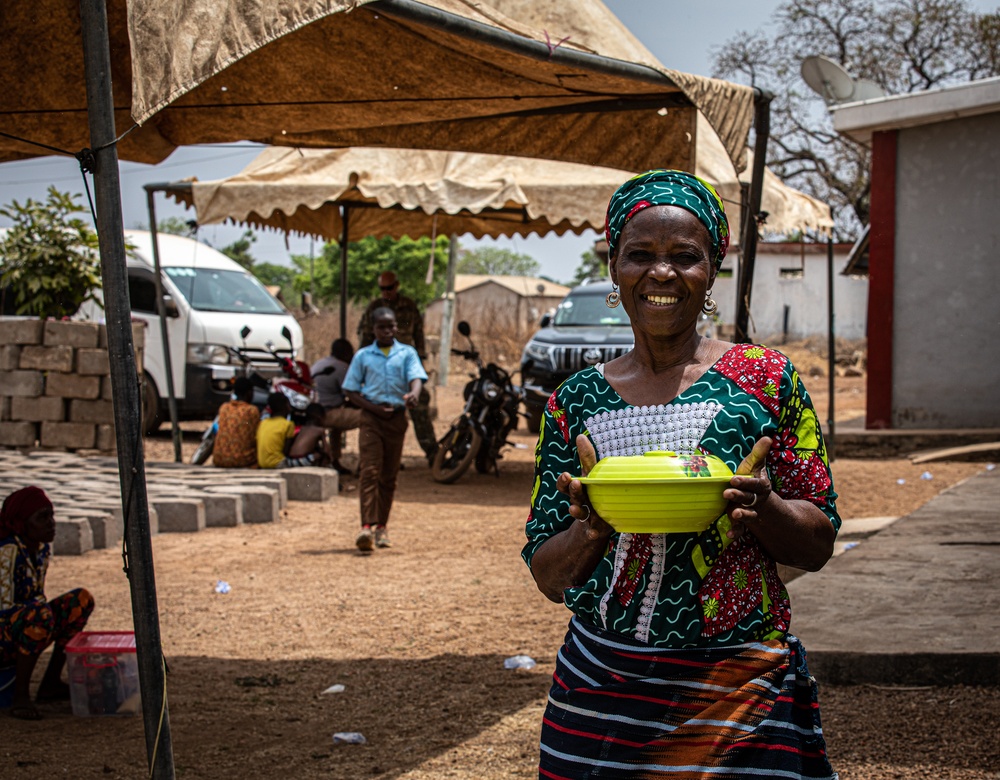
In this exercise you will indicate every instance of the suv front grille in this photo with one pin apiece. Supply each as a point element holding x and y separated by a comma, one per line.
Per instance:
<point>570,359</point>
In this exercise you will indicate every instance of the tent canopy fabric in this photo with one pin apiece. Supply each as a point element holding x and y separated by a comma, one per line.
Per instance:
<point>397,192</point>
<point>455,74</point>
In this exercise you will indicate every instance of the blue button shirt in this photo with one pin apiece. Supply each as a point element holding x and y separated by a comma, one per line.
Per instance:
<point>384,379</point>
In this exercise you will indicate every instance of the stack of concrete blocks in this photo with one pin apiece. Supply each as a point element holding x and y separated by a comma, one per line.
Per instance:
<point>55,385</point>
<point>86,494</point>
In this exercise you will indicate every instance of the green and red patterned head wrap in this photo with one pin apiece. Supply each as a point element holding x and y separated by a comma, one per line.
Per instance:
<point>669,188</point>
<point>18,507</point>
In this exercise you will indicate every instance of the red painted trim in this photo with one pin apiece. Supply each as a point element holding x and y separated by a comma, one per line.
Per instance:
<point>881,262</point>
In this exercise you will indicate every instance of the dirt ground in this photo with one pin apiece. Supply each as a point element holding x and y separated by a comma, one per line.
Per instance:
<point>417,635</point>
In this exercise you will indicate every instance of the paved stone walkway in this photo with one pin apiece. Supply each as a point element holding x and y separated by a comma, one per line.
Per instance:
<point>87,495</point>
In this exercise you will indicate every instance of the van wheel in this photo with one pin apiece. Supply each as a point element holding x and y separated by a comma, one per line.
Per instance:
<point>152,415</point>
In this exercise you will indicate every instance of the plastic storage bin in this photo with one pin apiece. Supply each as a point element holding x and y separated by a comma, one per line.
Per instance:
<point>103,673</point>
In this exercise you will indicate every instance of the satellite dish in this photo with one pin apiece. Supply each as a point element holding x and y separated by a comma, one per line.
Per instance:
<point>866,90</point>
<point>827,79</point>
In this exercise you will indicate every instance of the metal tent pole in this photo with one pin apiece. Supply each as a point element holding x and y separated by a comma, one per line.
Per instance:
<point>762,128</point>
<point>125,389</point>
<point>343,271</point>
<point>831,348</point>
<point>448,314</point>
<point>175,429</point>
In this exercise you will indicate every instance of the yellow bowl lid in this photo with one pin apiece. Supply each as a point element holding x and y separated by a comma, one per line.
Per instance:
<point>658,466</point>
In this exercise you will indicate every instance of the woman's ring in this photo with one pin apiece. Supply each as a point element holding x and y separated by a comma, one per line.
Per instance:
<point>752,502</point>
<point>584,519</point>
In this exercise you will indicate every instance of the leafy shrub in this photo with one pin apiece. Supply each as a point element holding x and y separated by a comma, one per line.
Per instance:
<point>49,260</point>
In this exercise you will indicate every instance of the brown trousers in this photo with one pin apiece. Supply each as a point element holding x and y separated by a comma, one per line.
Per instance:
<point>380,449</point>
<point>339,419</point>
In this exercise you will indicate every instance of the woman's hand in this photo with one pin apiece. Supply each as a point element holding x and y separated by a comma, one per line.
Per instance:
<point>795,532</point>
<point>568,559</point>
<point>749,491</point>
<point>579,505</point>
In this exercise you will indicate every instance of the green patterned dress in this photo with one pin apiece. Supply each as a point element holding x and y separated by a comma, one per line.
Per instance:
<point>695,589</point>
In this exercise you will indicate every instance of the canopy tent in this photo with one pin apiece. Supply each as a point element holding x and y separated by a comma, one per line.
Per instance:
<point>441,74</point>
<point>397,192</point>
<point>455,74</point>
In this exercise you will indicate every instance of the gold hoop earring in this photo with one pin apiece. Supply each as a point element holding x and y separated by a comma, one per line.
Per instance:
<point>710,307</point>
<point>613,298</point>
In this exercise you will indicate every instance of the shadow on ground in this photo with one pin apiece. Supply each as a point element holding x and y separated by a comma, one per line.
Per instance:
<point>245,719</point>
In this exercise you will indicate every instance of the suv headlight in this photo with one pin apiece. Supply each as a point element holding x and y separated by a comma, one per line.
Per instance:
<point>215,354</point>
<point>537,352</point>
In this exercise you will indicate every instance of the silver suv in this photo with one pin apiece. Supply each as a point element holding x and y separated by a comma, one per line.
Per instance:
<point>582,332</point>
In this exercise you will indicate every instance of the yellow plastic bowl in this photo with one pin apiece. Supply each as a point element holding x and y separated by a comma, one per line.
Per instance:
<point>659,492</point>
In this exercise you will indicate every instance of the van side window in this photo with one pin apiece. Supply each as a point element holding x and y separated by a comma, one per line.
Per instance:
<point>142,290</point>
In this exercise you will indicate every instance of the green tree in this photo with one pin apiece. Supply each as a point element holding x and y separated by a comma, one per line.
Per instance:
<point>49,259</point>
<point>901,45</point>
<point>494,261</point>
<point>239,250</point>
<point>367,258</point>
<point>176,226</point>
<point>283,276</point>
<point>591,267</point>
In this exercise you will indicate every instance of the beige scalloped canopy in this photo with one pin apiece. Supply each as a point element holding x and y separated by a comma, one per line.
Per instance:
<point>397,192</point>
<point>546,79</point>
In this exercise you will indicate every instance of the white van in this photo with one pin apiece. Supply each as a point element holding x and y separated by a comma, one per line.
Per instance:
<point>210,298</point>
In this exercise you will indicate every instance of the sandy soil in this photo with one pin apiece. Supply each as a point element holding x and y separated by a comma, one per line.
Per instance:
<point>417,635</point>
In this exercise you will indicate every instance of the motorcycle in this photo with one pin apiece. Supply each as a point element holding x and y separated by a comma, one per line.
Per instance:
<point>481,430</point>
<point>295,385</point>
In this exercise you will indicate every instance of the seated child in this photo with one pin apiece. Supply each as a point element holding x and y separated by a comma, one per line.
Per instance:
<point>310,447</point>
<point>236,440</point>
<point>29,623</point>
<point>275,433</point>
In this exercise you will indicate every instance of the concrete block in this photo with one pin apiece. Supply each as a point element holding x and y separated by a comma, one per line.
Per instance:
<point>70,435</point>
<point>92,362</point>
<point>105,528</point>
<point>275,482</point>
<point>105,439</point>
<point>73,386</point>
<point>18,434</point>
<point>260,504</point>
<point>73,536</point>
<point>179,514</point>
<point>71,334</point>
<point>46,359</point>
<point>99,412</point>
<point>38,409</point>
<point>24,384</point>
<point>107,393</point>
<point>222,510</point>
<point>10,357</point>
<point>21,332</point>
<point>310,483</point>
<point>5,408</point>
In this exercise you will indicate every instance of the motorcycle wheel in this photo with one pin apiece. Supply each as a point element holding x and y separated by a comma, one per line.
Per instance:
<point>456,451</point>
<point>204,451</point>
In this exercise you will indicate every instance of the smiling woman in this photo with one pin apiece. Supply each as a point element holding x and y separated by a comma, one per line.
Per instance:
<point>678,652</point>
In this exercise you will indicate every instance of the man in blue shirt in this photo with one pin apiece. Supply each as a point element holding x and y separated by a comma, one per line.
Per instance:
<point>384,380</point>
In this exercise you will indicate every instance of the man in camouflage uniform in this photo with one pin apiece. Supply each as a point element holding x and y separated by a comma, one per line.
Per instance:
<point>410,330</point>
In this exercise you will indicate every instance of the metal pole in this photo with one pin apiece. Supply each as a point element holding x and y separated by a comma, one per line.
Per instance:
<point>343,272</point>
<point>448,313</point>
<point>762,129</point>
<point>125,390</point>
<point>175,429</point>
<point>831,348</point>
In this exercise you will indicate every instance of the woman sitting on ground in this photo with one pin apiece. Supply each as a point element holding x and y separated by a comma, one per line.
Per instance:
<point>29,623</point>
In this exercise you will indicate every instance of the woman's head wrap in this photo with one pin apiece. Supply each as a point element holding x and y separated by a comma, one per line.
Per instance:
<point>19,506</point>
<point>669,188</point>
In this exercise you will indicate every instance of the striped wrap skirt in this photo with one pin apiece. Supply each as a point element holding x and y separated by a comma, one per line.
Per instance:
<point>622,709</point>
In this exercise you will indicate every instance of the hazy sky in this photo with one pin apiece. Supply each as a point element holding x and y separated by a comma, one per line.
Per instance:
<point>681,35</point>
